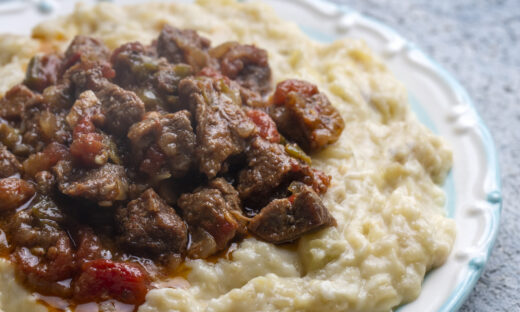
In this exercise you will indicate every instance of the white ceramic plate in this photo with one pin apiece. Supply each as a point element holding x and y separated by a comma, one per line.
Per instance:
<point>440,102</point>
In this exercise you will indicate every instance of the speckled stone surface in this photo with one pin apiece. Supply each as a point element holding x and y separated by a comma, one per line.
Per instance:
<point>478,41</point>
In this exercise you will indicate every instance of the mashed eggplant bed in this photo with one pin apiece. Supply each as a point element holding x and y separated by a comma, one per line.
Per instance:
<point>210,157</point>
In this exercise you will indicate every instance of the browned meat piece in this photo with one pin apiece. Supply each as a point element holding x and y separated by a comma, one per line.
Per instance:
<point>14,192</point>
<point>58,97</point>
<point>132,64</point>
<point>87,75</point>
<point>305,115</point>
<point>16,100</point>
<point>269,166</point>
<point>150,227</point>
<point>84,49</point>
<point>246,64</point>
<point>183,46</point>
<point>171,136</point>
<point>285,220</point>
<point>121,107</point>
<point>222,126</point>
<point>249,97</point>
<point>154,80</point>
<point>46,159</point>
<point>215,209</point>
<point>166,79</point>
<point>103,185</point>
<point>9,164</point>
<point>44,254</point>
<point>42,71</point>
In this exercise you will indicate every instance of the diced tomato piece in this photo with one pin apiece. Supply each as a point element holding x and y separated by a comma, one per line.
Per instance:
<point>84,126</point>
<point>86,147</point>
<point>104,279</point>
<point>318,180</point>
<point>45,159</point>
<point>293,85</point>
<point>266,126</point>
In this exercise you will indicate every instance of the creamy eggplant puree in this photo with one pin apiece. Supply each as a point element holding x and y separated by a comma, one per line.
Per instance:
<point>387,170</point>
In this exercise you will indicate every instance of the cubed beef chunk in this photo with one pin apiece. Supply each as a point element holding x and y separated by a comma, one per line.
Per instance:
<point>269,166</point>
<point>170,136</point>
<point>132,64</point>
<point>183,46</point>
<point>284,220</point>
<point>84,49</point>
<point>9,164</point>
<point>103,185</point>
<point>246,64</point>
<point>167,77</point>
<point>214,209</point>
<point>16,100</point>
<point>150,227</point>
<point>222,126</point>
<point>42,71</point>
<point>305,115</point>
<point>58,97</point>
<point>14,192</point>
<point>153,79</point>
<point>44,254</point>
<point>121,107</point>
<point>88,75</point>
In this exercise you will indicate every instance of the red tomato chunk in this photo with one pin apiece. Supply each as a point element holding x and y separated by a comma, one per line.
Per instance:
<point>293,85</point>
<point>266,126</point>
<point>103,279</point>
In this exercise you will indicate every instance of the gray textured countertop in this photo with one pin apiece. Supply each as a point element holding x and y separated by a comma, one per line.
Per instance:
<point>479,42</point>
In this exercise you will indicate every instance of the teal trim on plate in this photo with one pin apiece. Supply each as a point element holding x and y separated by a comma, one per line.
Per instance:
<point>476,265</point>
